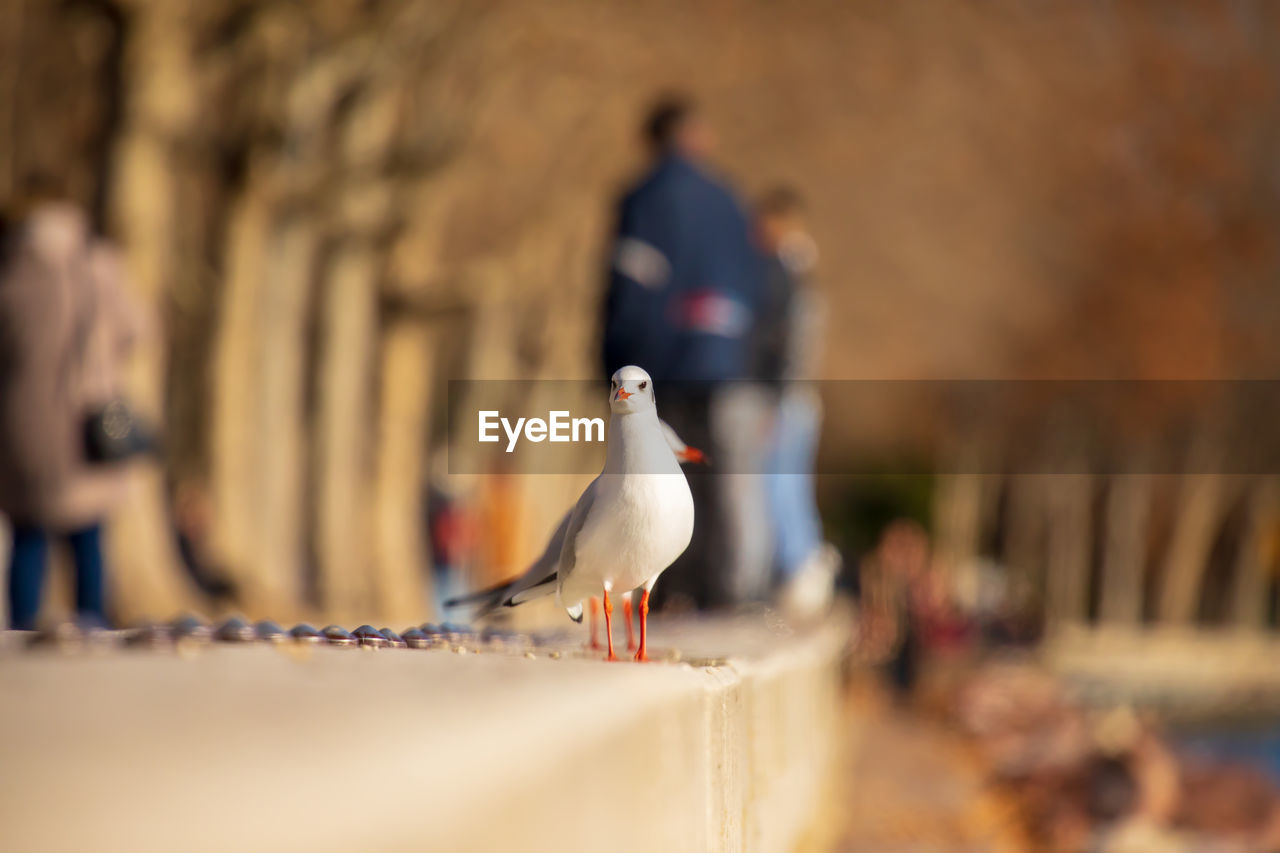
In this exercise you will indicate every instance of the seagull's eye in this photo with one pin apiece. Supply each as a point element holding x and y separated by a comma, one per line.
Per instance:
<point>644,385</point>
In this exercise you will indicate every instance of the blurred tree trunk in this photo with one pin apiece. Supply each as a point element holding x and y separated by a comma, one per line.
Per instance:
<point>346,417</point>
<point>1125,550</point>
<point>279,438</point>
<point>1202,500</point>
<point>240,410</point>
<point>1025,542</point>
<point>145,568</point>
<point>1070,542</point>
<point>401,576</point>
<point>962,503</point>
<point>13,15</point>
<point>1251,594</point>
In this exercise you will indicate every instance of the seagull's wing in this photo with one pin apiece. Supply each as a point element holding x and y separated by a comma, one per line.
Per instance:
<point>683,452</point>
<point>674,441</point>
<point>567,556</point>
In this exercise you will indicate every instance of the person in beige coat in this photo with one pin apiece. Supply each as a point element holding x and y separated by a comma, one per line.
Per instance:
<point>65,325</point>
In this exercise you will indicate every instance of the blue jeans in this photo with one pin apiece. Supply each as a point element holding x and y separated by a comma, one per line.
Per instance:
<point>792,504</point>
<point>26,574</point>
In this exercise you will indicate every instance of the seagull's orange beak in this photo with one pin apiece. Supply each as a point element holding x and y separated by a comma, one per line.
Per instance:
<point>622,394</point>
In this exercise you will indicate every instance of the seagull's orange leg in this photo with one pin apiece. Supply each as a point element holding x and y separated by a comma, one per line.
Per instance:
<point>626,614</point>
<point>608,624</point>
<point>643,653</point>
<point>595,623</point>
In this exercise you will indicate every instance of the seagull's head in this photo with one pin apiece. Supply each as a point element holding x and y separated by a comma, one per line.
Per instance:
<point>631,391</point>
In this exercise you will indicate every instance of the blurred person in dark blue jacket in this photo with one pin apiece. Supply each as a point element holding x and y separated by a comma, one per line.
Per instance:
<point>684,285</point>
<point>684,279</point>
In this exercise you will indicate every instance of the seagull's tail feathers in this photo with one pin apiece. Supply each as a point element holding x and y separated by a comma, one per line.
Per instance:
<point>546,586</point>
<point>527,586</point>
<point>485,600</point>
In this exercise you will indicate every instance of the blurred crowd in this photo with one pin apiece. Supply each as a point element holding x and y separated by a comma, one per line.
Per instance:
<point>1109,781</point>
<point>1080,776</point>
<point>712,296</point>
<point>715,302</point>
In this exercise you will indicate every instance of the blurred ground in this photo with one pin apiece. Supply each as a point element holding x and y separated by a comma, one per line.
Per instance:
<point>912,786</point>
<point>1003,755</point>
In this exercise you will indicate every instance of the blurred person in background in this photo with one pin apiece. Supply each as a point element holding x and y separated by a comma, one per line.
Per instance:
<point>193,516</point>
<point>66,324</point>
<point>451,538</point>
<point>787,340</point>
<point>681,302</point>
<point>895,592</point>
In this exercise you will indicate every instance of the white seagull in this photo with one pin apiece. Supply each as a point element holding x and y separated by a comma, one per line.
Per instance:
<point>628,526</point>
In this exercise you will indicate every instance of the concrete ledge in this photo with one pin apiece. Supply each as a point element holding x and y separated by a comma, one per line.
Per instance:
<point>256,747</point>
